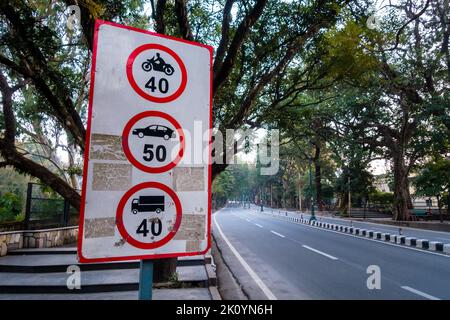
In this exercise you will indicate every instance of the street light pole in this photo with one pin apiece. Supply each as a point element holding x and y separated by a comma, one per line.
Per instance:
<point>313,216</point>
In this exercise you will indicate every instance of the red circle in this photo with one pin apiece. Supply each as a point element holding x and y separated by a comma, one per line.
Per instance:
<point>119,215</point>
<point>126,147</point>
<point>141,92</point>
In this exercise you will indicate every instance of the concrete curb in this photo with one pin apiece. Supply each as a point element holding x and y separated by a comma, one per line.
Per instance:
<point>229,287</point>
<point>424,244</point>
<point>212,277</point>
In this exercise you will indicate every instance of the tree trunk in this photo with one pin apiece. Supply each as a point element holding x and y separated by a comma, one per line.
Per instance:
<point>343,203</point>
<point>448,201</point>
<point>441,217</point>
<point>318,177</point>
<point>73,177</point>
<point>402,198</point>
<point>299,192</point>
<point>164,269</point>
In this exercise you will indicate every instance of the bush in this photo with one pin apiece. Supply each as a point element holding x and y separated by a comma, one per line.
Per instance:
<point>381,198</point>
<point>20,217</point>
<point>10,206</point>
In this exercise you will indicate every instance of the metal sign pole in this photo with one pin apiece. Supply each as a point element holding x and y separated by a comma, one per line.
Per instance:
<point>146,280</point>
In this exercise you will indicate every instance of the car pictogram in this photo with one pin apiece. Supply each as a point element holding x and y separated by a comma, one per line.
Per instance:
<point>155,131</point>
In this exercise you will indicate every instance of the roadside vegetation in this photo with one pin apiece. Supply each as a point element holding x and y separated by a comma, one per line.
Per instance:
<point>342,91</point>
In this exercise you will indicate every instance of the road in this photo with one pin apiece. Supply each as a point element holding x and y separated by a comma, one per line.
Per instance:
<point>408,232</point>
<point>278,259</point>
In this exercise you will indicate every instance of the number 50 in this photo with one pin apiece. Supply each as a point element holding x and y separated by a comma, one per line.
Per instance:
<point>161,153</point>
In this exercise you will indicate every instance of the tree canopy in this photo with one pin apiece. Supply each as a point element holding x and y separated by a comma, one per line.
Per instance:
<point>343,92</point>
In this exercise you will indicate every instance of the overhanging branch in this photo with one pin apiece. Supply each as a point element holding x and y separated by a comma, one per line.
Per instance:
<point>183,20</point>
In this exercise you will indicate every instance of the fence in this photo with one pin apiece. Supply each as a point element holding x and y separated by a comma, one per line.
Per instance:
<point>46,209</point>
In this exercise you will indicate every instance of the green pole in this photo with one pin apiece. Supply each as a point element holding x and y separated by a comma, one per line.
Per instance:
<point>146,280</point>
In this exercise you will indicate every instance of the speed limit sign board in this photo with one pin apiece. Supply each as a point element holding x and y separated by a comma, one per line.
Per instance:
<point>146,191</point>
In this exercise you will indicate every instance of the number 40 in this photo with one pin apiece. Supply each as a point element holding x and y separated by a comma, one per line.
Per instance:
<point>155,228</point>
<point>163,85</point>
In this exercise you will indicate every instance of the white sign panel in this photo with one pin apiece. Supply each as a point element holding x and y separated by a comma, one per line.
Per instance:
<point>146,191</point>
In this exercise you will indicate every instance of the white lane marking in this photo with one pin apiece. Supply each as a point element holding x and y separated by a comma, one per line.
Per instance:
<point>365,238</point>
<point>420,293</point>
<point>320,252</point>
<point>247,220</point>
<point>250,271</point>
<point>278,234</point>
<point>258,225</point>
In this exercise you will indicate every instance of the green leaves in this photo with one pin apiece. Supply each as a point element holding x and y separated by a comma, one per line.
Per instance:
<point>347,57</point>
<point>434,178</point>
<point>10,206</point>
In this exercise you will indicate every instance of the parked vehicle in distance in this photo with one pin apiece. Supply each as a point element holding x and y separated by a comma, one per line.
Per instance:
<point>154,131</point>
<point>147,204</point>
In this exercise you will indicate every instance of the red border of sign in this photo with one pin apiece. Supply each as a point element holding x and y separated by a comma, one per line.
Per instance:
<point>83,259</point>
<point>119,215</point>
<point>126,147</point>
<point>141,92</point>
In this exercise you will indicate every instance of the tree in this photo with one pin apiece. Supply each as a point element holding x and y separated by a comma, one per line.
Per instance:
<point>433,180</point>
<point>43,74</point>
<point>354,179</point>
<point>222,188</point>
<point>394,99</point>
<point>254,47</point>
<point>13,185</point>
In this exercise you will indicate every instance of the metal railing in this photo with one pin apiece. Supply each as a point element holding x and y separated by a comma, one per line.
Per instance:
<point>47,209</point>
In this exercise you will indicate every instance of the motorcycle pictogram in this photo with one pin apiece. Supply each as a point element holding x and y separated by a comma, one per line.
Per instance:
<point>158,64</point>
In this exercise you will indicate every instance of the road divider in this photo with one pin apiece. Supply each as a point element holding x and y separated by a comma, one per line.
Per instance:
<point>393,238</point>
<point>401,239</point>
<point>447,248</point>
<point>410,241</point>
<point>436,246</point>
<point>424,244</point>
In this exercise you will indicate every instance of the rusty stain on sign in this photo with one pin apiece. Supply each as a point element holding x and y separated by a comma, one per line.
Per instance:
<point>106,147</point>
<point>192,246</point>
<point>189,178</point>
<point>119,243</point>
<point>192,227</point>
<point>111,177</point>
<point>197,209</point>
<point>170,226</point>
<point>100,227</point>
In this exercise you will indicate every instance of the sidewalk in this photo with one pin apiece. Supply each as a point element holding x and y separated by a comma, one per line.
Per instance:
<point>424,225</point>
<point>434,241</point>
<point>399,228</point>
<point>30,274</point>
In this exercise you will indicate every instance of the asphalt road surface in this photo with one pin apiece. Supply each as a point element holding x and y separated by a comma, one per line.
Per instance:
<point>405,231</point>
<point>277,259</point>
